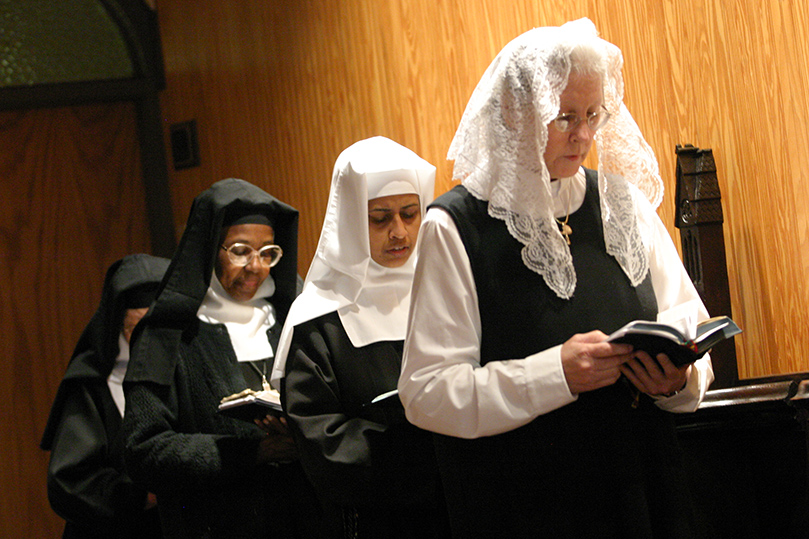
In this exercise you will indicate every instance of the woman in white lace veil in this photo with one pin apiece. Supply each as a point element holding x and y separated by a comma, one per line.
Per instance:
<point>523,271</point>
<point>498,149</point>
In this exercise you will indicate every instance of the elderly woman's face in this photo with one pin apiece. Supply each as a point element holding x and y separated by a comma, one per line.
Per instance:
<point>393,227</point>
<point>242,282</point>
<point>565,152</point>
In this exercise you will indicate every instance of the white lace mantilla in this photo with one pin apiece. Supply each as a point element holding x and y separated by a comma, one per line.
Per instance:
<point>499,146</point>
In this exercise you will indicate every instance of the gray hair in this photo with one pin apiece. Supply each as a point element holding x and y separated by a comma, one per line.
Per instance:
<point>587,58</point>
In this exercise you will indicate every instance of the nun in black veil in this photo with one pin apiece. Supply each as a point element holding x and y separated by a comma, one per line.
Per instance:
<point>212,332</point>
<point>87,483</point>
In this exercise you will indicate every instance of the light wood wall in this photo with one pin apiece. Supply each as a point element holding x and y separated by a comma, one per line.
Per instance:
<point>279,88</point>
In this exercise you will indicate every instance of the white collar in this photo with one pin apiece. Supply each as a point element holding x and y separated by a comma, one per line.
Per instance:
<point>568,194</point>
<point>118,372</point>
<point>247,322</point>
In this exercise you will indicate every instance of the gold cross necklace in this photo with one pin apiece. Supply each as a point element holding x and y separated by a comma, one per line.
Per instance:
<point>564,227</point>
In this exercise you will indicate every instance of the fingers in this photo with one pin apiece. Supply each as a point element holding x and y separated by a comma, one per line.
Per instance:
<point>605,356</point>
<point>581,382</point>
<point>654,376</point>
<point>643,371</point>
<point>636,381</point>
<point>599,341</point>
<point>273,425</point>
<point>589,362</point>
<point>585,373</point>
<point>589,337</point>
<point>666,365</point>
<point>593,345</point>
<point>596,345</point>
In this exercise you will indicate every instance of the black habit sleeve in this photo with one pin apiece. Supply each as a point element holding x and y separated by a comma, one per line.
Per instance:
<point>175,438</point>
<point>86,484</point>
<point>353,452</point>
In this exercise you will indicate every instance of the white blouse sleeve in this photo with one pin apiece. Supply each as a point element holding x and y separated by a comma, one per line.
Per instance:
<point>443,386</point>
<point>672,287</point>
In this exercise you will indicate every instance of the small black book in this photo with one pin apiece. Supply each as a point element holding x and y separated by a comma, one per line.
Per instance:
<point>659,338</point>
<point>249,405</point>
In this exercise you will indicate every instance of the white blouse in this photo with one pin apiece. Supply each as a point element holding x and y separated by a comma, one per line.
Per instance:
<point>443,386</point>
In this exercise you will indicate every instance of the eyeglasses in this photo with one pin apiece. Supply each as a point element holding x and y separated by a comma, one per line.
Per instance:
<point>570,121</point>
<point>241,254</point>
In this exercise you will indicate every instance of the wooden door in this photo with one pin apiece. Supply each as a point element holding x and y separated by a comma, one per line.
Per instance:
<point>71,203</point>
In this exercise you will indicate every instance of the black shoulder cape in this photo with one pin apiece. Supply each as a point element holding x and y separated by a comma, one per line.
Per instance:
<point>157,336</point>
<point>95,353</point>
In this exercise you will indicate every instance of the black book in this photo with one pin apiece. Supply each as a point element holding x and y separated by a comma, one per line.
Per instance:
<point>249,405</point>
<point>659,338</point>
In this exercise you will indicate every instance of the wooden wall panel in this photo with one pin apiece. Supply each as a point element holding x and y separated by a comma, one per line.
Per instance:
<point>72,203</point>
<point>280,88</point>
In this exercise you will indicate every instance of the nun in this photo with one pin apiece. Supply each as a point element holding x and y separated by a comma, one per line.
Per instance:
<point>213,332</point>
<point>542,427</point>
<point>341,351</point>
<point>87,483</point>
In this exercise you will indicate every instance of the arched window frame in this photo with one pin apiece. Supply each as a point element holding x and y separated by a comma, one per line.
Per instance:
<point>139,29</point>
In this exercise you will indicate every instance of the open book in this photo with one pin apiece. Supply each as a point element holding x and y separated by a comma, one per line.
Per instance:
<point>249,404</point>
<point>659,338</point>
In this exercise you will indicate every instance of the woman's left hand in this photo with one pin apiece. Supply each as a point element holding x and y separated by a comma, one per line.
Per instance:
<point>656,377</point>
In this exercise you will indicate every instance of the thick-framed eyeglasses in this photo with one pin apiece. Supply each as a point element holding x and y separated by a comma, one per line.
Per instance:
<point>241,254</point>
<point>569,121</point>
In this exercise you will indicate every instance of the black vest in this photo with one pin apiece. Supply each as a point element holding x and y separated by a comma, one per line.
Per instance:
<point>605,447</point>
<point>519,314</point>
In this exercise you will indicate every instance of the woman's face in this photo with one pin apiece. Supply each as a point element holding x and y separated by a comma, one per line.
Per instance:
<point>565,152</point>
<point>393,226</point>
<point>242,282</point>
<point>131,319</point>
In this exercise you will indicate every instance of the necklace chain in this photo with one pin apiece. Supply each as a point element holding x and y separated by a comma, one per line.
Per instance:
<point>264,384</point>
<point>565,228</point>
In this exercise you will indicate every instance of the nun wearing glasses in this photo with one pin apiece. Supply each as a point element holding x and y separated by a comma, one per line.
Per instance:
<point>212,332</point>
<point>542,427</point>
<point>341,348</point>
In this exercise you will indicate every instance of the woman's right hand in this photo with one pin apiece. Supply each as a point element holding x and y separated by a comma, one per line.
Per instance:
<point>590,362</point>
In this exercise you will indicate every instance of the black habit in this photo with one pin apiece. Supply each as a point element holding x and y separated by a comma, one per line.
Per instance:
<point>375,472</point>
<point>87,484</point>
<point>202,465</point>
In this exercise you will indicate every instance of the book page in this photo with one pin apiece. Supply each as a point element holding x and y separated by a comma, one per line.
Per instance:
<point>683,317</point>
